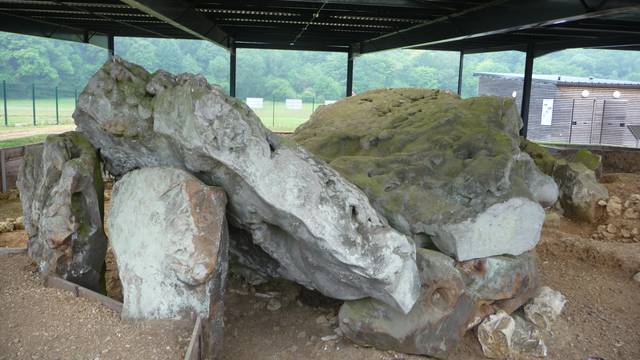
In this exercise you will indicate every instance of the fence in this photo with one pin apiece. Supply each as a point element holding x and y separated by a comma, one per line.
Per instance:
<point>284,114</point>
<point>37,104</point>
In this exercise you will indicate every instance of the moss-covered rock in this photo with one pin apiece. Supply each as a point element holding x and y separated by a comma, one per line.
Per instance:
<point>576,177</point>
<point>61,191</point>
<point>541,156</point>
<point>446,170</point>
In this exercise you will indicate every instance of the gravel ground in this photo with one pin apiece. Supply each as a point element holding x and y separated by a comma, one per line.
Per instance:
<point>44,323</point>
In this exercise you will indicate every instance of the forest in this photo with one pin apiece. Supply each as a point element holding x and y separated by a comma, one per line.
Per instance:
<point>25,60</point>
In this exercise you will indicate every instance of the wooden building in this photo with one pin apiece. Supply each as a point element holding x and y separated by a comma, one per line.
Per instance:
<point>569,109</point>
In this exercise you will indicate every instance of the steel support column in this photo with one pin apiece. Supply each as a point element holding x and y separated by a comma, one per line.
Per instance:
<point>232,71</point>
<point>349,91</point>
<point>460,67</point>
<point>111,46</point>
<point>526,89</point>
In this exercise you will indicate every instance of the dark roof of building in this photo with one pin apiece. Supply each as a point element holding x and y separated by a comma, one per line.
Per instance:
<point>567,80</point>
<point>359,26</point>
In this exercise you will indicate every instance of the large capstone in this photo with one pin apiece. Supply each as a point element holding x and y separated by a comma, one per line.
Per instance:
<point>320,228</point>
<point>446,171</point>
<point>169,236</point>
<point>455,296</point>
<point>62,192</point>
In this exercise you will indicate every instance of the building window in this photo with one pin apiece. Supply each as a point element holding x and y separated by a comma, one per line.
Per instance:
<point>584,93</point>
<point>616,94</point>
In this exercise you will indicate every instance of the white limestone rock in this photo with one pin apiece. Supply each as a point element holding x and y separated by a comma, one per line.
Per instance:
<point>320,228</point>
<point>495,335</point>
<point>169,236</point>
<point>545,307</point>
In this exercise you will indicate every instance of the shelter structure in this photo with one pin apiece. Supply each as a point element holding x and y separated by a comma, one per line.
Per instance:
<point>351,26</point>
<point>570,109</point>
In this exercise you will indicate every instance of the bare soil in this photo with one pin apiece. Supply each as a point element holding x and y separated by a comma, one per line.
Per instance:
<point>45,323</point>
<point>19,132</point>
<point>601,318</point>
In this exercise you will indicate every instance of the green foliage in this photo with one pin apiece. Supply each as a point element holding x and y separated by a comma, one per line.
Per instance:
<point>307,75</point>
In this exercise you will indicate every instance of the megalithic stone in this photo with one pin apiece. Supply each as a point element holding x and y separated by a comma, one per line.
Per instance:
<point>62,191</point>
<point>322,229</point>
<point>444,170</point>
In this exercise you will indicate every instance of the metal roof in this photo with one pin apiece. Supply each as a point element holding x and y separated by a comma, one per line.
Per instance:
<point>359,26</point>
<point>567,80</point>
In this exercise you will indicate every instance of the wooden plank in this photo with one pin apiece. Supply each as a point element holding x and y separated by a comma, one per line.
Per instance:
<point>3,169</point>
<point>6,251</point>
<point>195,344</point>
<point>79,291</point>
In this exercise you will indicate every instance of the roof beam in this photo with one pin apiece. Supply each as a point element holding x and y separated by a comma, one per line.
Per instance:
<point>183,17</point>
<point>495,17</point>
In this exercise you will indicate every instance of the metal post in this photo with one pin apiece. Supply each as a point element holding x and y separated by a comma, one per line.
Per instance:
<point>313,104</point>
<point>593,117</point>
<point>273,111</point>
<point>460,67</point>
<point>4,96</point>
<point>33,98</point>
<point>573,106</point>
<point>57,113</point>
<point>75,96</point>
<point>526,89</point>
<point>232,71</point>
<point>349,74</point>
<point>3,170</point>
<point>604,107</point>
<point>111,46</point>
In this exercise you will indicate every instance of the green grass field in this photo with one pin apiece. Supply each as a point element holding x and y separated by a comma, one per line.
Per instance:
<point>22,141</point>
<point>20,113</point>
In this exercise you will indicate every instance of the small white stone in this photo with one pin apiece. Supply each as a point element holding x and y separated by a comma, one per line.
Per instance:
<point>545,307</point>
<point>274,305</point>
<point>636,277</point>
<point>495,333</point>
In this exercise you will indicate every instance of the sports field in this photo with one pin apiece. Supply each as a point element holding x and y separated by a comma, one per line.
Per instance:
<point>21,131</point>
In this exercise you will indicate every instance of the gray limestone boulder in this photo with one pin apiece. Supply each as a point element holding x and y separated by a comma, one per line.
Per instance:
<point>580,191</point>
<point>320,228</point>
<point>61,191</point>
<point>455,297</point>
<point>447,171</point>
<point>169,235</point>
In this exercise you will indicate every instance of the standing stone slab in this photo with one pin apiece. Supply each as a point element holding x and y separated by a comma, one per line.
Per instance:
<point>169,236</point>
<point>321,229</point>
<point>62,192</point>
<point>444,170</point>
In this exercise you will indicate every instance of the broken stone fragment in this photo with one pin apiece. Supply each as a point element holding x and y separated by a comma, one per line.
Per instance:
<point>169,236</point>
<point>61,191</point>
<point>472,194</point>
<point>580,192</point>
<point>527,338</point>
<point>454,296</point>
<point>320,228</point>
<point>545,307</point>
<point>495,335</point>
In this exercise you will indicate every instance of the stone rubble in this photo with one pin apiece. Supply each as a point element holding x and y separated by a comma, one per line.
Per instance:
<point>545,307</point>
<point>495,335</point>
